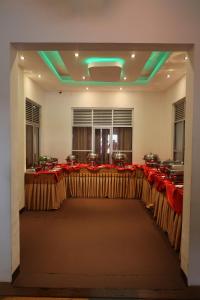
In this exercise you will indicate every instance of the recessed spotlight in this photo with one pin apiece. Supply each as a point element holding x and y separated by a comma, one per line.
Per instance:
<point>168,75</point>
<point>133,55</point>
<point>39,76</point>
<point>22,57</point>
<point>87,88</point>
<point>76,54</point>
<point>120,88</point>
<point>83,77</point>
<point>186,57</point>
<point>125,77</point>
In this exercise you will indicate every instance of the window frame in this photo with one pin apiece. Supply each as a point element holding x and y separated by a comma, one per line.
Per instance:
<point>35,126</point>
<point>181,120</point>
<point>111,127</point>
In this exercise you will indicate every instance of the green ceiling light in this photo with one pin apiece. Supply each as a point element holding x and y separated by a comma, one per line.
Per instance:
<point>49,63</point>
<point>55,63</point>
<point>162,59</point>
<point>154,63</point>
<point>56,59</point>
<point>91,60</point>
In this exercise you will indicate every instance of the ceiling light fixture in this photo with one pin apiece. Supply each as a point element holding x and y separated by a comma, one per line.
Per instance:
<point>133,55</point>
<point>83,77</point>
<point>125,77</point>
<point>168,75</point>
<point>151,68</point>
<point>186,57</point>
<point>76,54</point>
<point>39,76</point>
<point>22,57</point>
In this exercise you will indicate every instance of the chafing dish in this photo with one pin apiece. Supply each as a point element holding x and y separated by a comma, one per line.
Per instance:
<point>46,162</point>
<point>175,172</point>
<point>119,158</point>
<point>166,164</point>
<point>71,159</point>
<point>92,158</point>
<point>152,160</point>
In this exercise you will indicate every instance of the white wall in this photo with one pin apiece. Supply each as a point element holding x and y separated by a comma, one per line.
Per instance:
<point>68,21</point>
<point>148,128</point>
<point>172,95</point>
<point>21,87</point>
<point>35,93</point>
<point>17,154</point>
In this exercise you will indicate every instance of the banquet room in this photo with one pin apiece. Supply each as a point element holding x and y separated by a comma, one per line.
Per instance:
<point>103,150</point>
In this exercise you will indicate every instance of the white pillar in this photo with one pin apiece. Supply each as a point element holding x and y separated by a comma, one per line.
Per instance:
<point>5,167</point>
<point>191,223</point>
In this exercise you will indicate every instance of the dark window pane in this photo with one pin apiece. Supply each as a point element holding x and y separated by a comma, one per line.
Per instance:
<point>82,138</point>
<point>36,138</point>
<point>29,146</point>
<point>179,140</point>
<point>178,156</point>
<point>102,145</point>
<point>122,138</point>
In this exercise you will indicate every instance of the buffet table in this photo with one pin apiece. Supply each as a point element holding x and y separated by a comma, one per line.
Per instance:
<point>166,201</point>
<point>44,190</point>
<point>104,181</point>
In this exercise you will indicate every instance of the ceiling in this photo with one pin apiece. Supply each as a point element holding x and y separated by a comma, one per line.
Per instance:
<point>68,70</point>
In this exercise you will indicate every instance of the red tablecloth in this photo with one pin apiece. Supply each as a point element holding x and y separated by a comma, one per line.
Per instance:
<point>174,193</point>
<point>89,167</point>
<point>175,197</point>
<point>55,173</point>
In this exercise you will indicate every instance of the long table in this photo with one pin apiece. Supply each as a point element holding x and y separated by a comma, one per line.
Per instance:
<point>166,201</point>
<point>104,183</point>
<point>44,190</point>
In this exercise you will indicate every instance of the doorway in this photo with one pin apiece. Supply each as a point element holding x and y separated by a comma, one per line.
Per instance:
<point>104,141</point>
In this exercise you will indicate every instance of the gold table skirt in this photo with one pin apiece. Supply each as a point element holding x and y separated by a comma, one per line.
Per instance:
<point>166,218</point>
<point>44,192</point>
<point>47,191</point>
<point>109,184</point>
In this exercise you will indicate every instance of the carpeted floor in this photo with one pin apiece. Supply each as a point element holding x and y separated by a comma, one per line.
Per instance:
<point>96,243</point>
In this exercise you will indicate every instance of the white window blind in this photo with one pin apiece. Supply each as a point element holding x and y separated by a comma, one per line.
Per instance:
<point>32,113</point>
<point>82,117</point>
<point>180,110</point>
<point>102,117</point>
<point>122,117</point>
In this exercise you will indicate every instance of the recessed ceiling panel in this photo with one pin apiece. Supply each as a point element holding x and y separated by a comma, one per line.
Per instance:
<point>104,70</point>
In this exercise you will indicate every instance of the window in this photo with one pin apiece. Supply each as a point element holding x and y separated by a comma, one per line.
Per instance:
<point>179,130</point>
<point>32,132</point>
<point>102,131</point>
